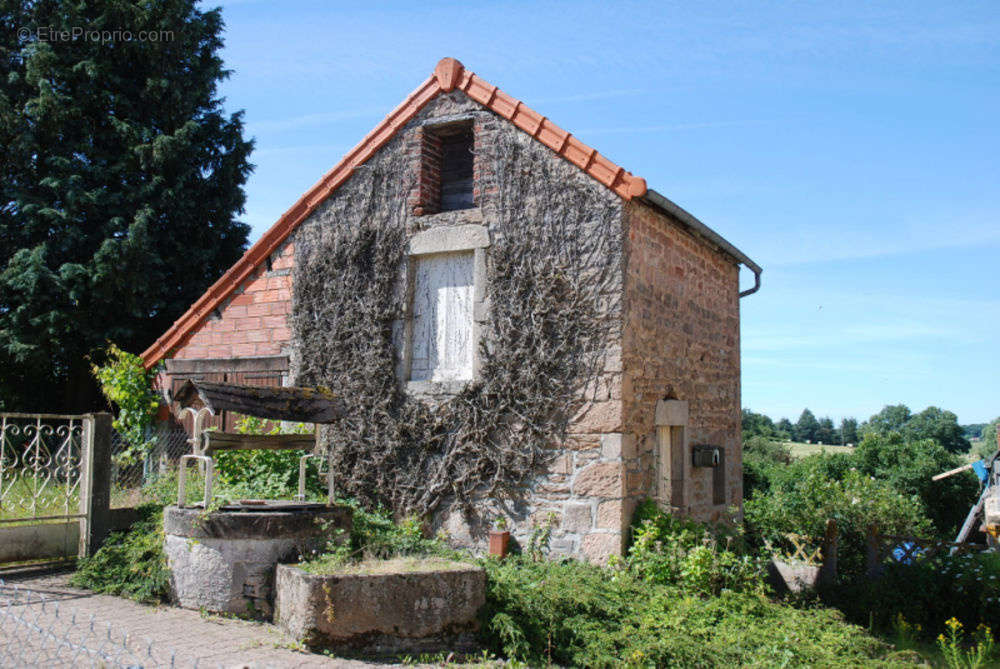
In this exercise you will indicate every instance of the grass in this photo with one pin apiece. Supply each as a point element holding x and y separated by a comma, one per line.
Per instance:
<point>51,501</point>
<point>800,450</point>
<point>399,565</point>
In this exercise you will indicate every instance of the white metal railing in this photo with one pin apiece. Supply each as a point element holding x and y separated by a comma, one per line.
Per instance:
<point>40,466</point>
<point>209,473</point>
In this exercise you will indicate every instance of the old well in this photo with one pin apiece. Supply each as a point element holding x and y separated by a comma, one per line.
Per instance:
<point>223,560</point>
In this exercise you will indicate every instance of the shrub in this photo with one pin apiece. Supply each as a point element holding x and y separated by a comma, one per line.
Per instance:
<point>908,467</point>
<point>927,593</point>
<point>762,461</point>
<point>263,473</point>
<point>767,449</point>
<point>806,496</point>
<point>129,564</point>
<point>574,614</point>
<point>700,559</point>
<point>128,385</point>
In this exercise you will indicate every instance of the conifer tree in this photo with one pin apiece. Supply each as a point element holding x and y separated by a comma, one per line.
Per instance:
<point>121,180</point>
<point>807,426</point>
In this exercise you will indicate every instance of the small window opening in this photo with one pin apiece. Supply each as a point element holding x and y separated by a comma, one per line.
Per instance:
<point>457,170</point>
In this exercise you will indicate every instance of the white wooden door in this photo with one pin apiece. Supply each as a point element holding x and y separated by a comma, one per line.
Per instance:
<point>442,345</point>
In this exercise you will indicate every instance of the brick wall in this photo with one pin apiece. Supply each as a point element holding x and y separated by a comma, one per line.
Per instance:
<point>681,340</point>
<point>424,151</point>
<point>253,322</point>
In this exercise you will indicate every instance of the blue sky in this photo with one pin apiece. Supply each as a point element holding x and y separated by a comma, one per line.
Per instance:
<point>851,148</point>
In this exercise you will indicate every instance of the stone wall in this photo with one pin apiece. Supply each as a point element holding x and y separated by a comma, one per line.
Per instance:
<point>682,342</point>
<point>581,489</point>
<point>674,332</point>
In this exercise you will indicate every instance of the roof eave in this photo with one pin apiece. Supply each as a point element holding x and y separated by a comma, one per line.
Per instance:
<point>698,228</point>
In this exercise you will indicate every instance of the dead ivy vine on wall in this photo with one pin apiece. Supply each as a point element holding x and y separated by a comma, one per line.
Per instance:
<point>554,277</point>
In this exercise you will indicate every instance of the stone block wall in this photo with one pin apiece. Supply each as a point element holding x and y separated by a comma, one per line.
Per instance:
<point>680,342</point>
<point>582,486</point>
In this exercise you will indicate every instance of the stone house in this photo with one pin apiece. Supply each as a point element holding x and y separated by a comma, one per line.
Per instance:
<point>658,417</point>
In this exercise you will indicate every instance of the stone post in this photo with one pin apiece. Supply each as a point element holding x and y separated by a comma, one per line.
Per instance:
<point>95,482</point>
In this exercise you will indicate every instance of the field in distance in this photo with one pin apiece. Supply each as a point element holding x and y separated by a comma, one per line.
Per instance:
<point>801,450</point>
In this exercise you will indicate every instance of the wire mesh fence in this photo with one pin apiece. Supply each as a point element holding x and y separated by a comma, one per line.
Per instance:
<point>131,474</point>
<point>37,631</point>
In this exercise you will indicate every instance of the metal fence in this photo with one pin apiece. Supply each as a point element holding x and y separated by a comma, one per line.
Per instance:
<point>38,632</point>
<point>130,475</point>
<point>40,466</point>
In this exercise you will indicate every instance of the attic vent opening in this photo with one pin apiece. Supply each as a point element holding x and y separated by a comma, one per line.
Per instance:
<point>456,170</point>
<point>447,168</point>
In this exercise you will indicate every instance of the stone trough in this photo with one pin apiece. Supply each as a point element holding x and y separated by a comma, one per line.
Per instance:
<point>224,561</point>
<point>383,608</point>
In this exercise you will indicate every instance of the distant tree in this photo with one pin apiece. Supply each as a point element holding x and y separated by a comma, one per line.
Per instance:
<point>121,176</point>
<point>849,431</point>
<point>937,424</point>
<point>806,427</point>
<point>910,465</point>
<point>988,442</point>
<point>826,432</point>
<point>973,430</point>
<point>785,429</point>
<point>891,418</point>
<point>757,425</point>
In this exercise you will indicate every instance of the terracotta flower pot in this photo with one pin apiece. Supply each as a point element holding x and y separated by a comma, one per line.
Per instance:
<point>499,542</point>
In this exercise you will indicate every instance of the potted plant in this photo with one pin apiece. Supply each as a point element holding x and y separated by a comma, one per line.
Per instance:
<point>499,537</point>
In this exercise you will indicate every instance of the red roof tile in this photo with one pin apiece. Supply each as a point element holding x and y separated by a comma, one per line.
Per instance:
<point>448,76</point>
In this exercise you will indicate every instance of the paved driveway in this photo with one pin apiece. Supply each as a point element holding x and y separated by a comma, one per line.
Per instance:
<point>46,623</point>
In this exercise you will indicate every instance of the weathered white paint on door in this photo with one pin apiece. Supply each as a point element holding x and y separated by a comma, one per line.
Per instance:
<point>442,317</point>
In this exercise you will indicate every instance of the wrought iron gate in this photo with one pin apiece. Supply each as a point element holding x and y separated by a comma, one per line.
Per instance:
<point>50,484</point>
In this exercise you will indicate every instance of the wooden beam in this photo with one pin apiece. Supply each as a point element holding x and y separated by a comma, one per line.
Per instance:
<point>951,472</point>
<point>183,367</point>
<point>227,441</point>
<point>302,405</point>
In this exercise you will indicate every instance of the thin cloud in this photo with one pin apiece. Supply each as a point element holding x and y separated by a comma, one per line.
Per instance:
<point>311,120</point>
<point>676,127</point>
<point>586,97</point>
<point>333,149</point>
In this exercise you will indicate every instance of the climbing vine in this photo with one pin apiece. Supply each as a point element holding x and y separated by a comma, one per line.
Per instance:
<point>553,284</point>
<point>128,385</point>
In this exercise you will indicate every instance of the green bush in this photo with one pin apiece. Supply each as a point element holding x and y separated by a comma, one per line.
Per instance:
<point>580,615</point>
<point>767,449</point>
<point>127,384</point>
<point>927,593</point>
<point>129,564</point>
<point>698,558</point>
<point>762,460</point>
<point>802,500</point>
<point>908,466</point>
<point>263,473</point>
